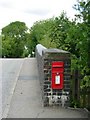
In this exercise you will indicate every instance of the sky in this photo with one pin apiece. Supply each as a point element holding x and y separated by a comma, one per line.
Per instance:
<point>30,11</point>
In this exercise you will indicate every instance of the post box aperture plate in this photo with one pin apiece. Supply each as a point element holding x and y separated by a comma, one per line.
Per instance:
<point>57,75</point>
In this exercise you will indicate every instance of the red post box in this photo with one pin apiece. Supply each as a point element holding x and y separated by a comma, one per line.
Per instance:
<point>57,75</point>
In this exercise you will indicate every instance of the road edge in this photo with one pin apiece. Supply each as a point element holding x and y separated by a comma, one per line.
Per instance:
<point>6,111</point>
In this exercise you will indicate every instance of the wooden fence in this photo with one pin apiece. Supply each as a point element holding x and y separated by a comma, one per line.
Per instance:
<point>79,97</point>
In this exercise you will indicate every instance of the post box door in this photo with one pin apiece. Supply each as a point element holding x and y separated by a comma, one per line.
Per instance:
<point>57,75</point>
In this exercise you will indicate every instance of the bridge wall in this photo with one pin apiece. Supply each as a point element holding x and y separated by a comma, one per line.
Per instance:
<point>45,57</point>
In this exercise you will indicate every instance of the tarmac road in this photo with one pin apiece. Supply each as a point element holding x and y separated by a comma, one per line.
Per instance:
<point>27,101</point>
<point>9,69</point>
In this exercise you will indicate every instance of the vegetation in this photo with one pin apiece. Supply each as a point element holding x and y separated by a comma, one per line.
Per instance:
<point>14,37</point>
<point>59,32</point>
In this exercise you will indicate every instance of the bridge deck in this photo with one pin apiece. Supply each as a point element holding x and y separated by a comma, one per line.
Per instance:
<point>26,101</point>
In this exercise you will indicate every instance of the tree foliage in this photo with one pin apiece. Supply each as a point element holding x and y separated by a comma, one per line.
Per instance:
<point>40,32</point>
<point>14,39</point>
<point>84,42</point>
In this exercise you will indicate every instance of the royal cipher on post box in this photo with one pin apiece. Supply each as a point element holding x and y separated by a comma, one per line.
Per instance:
<point>57,77</point>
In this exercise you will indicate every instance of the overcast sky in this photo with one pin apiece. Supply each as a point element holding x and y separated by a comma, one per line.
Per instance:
<point>30,11</point>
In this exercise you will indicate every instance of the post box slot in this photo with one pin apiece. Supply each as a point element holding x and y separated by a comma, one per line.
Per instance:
<point>57,65</point>
<point>57,72</point>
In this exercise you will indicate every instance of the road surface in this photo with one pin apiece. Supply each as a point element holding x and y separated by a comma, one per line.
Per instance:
<point>9,69</point>
<point>27,101</point>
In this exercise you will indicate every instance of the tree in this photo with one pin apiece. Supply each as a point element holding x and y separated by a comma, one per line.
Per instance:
<point>40,33</point>
<point>84,43</point>
<point>14,39</point>
<point>64,33</point>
